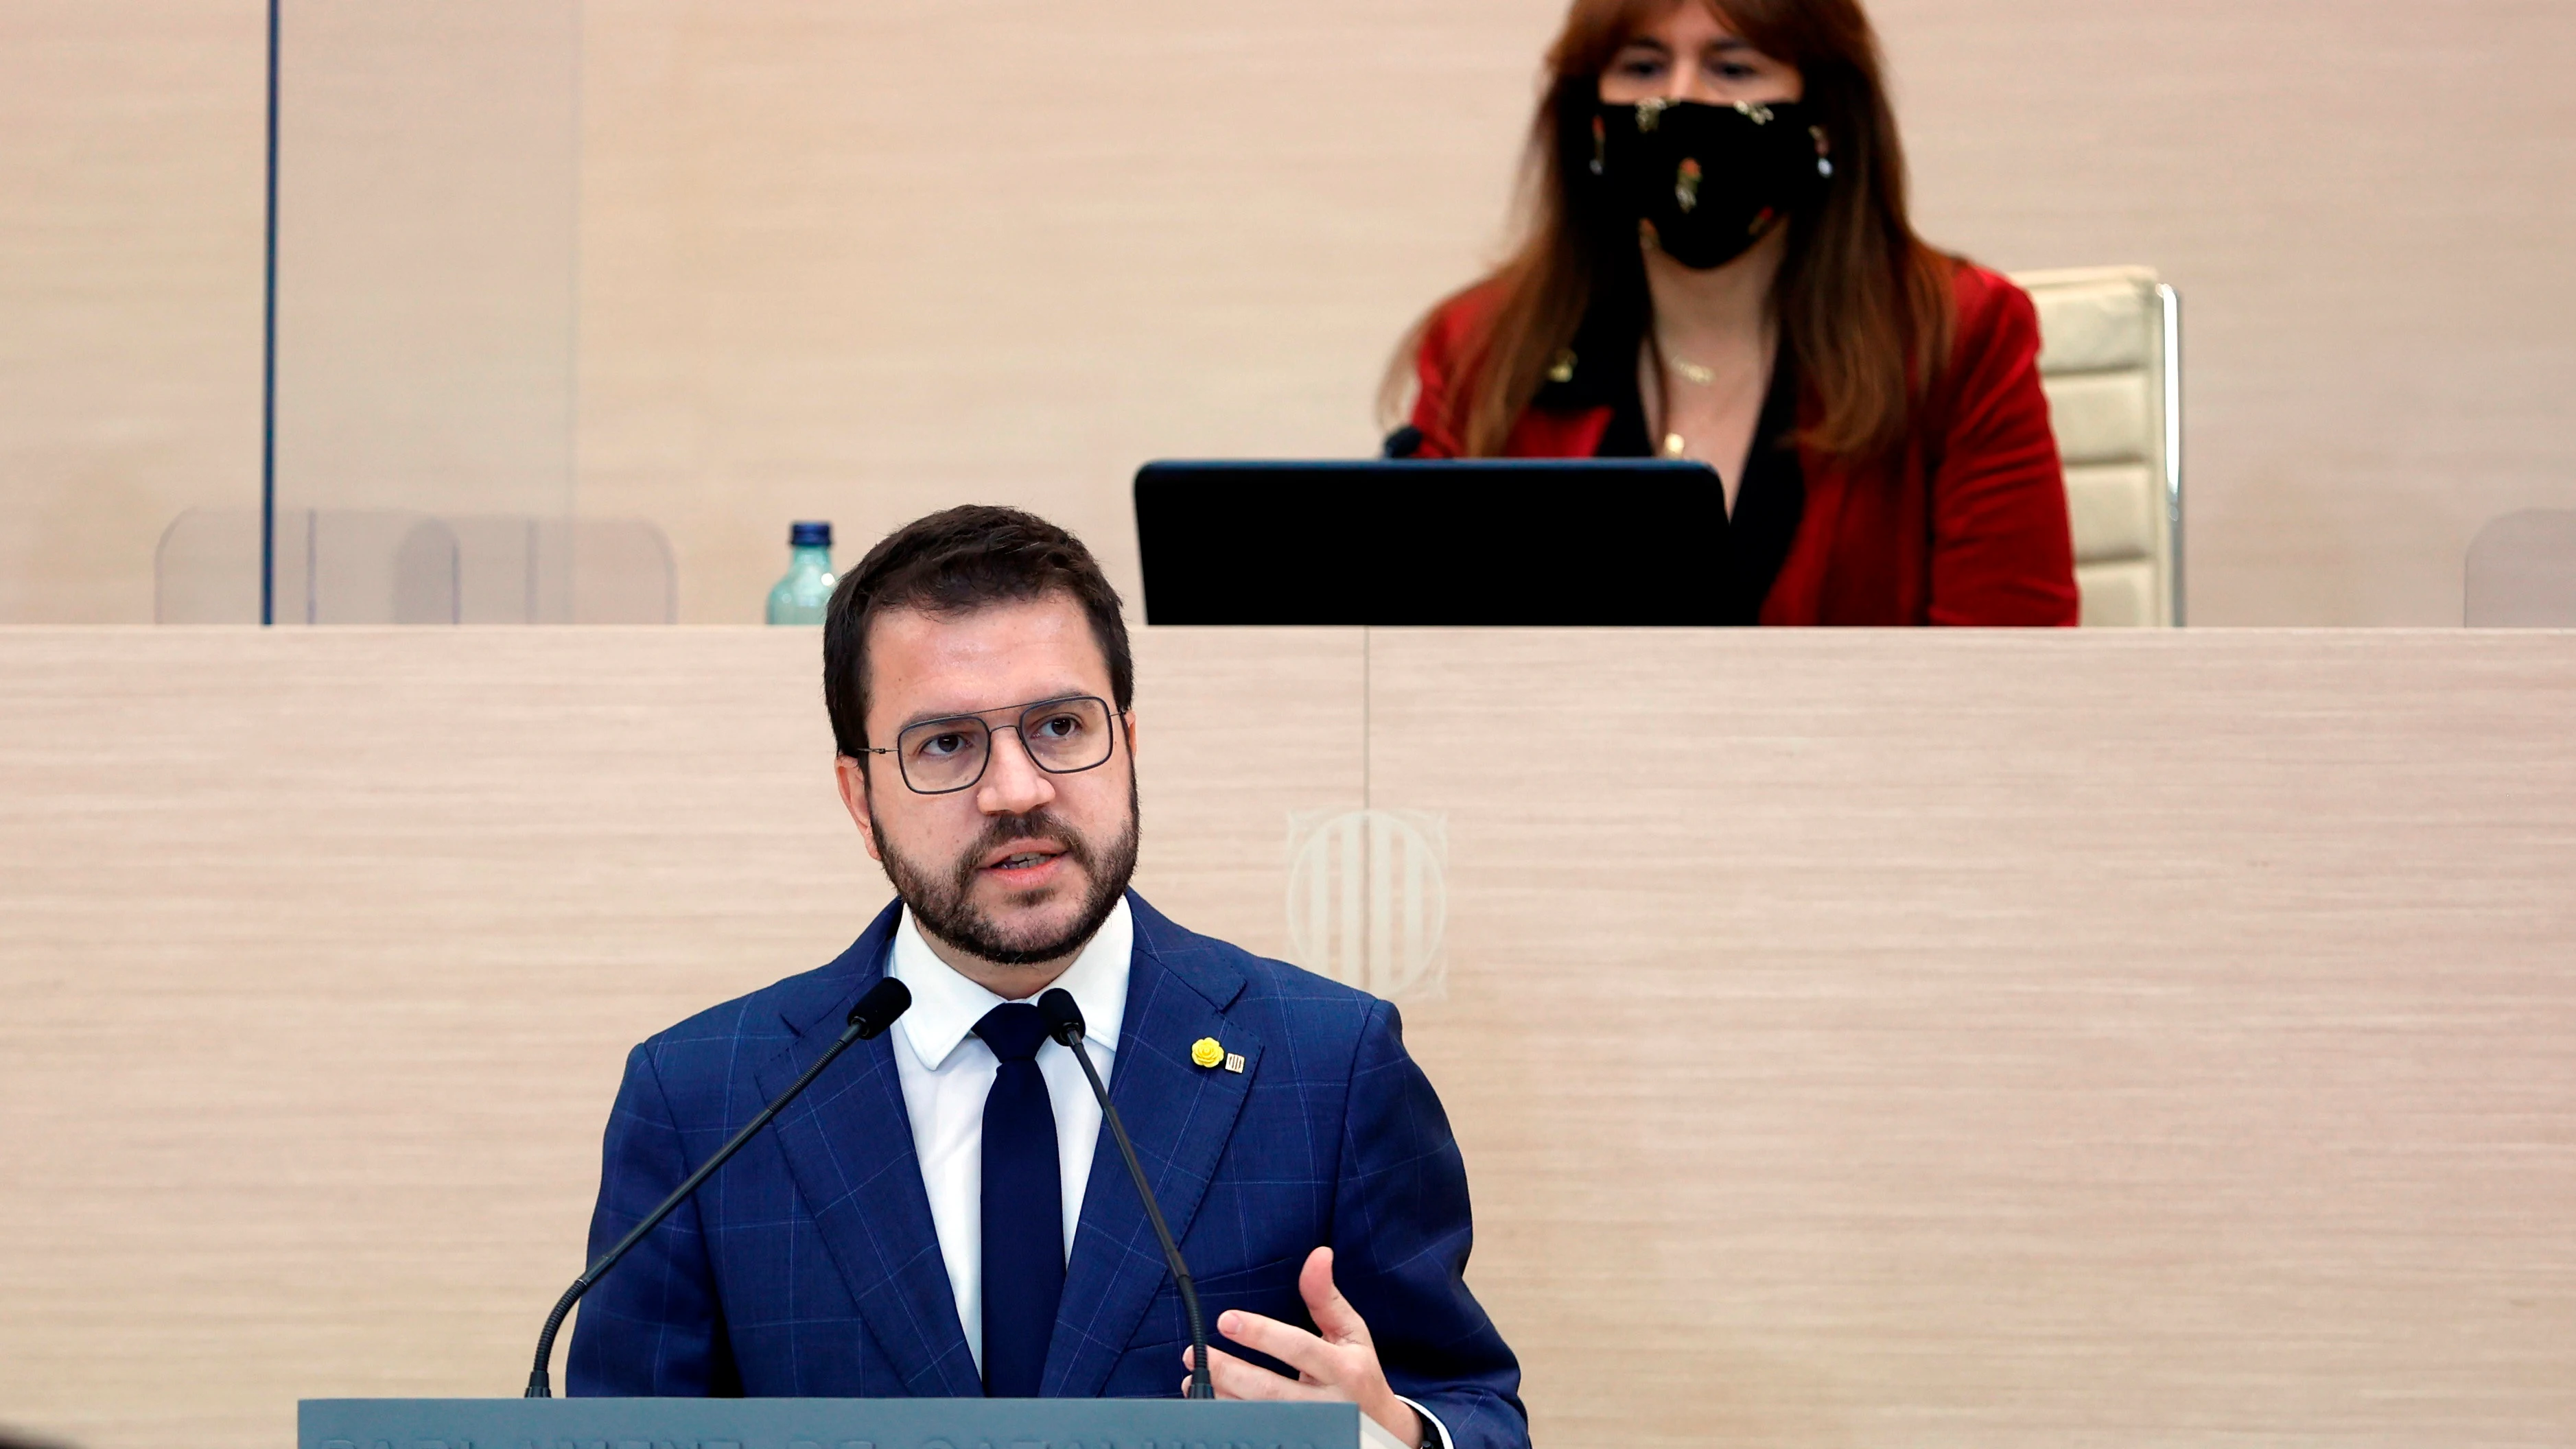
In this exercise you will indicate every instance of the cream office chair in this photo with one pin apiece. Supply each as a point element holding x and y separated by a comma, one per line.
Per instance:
<point>2521,572</point>
<point>2111,361</point>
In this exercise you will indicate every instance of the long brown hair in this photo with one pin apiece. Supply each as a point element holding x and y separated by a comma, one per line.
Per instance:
<point>1865,307</point>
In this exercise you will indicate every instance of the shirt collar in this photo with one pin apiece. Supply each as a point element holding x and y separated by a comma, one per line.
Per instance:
<point>946,1006</point>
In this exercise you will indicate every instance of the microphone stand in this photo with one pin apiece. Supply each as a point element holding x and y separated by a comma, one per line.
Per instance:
<point>1064,1022</point>
<point>875,1012</point>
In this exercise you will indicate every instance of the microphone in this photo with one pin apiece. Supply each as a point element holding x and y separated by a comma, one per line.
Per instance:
<point>1064,1023</point>
<point>875,1012</point>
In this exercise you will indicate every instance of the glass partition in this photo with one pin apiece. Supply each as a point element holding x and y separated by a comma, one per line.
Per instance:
<point>399,566</point>
<point>428,158</point>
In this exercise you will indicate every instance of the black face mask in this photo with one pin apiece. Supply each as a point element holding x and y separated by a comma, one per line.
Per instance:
<point>1702,182</point>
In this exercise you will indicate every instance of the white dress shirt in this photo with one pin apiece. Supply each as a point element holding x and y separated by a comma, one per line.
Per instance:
<point>947,1071</point>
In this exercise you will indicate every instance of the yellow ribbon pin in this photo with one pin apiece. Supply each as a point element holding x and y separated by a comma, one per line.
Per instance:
<point>1206,1052</point>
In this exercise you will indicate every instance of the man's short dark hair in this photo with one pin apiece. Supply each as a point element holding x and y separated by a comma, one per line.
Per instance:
<point>953,563</point>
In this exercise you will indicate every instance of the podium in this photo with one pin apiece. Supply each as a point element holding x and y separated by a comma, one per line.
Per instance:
<point>822,1424</point>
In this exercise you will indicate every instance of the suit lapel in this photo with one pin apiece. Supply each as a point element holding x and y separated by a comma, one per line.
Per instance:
<point>1180,1116</point>
<point>1798,590</point>
<point>848,1145</point>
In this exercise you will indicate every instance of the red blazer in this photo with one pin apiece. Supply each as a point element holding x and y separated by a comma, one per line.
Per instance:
<point>1967,525</point>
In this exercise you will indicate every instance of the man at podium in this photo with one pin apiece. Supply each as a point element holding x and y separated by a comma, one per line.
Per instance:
<point>931,1218</point>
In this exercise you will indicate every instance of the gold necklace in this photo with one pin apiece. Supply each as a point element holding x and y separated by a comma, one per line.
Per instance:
<point>1692,372</point>
<point>1675,445</point>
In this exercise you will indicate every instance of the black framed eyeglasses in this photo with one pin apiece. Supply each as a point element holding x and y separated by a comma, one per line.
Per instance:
<point>1063,737</point>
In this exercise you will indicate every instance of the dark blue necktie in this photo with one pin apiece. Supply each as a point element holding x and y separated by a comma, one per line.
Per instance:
<point>1023,1206</point>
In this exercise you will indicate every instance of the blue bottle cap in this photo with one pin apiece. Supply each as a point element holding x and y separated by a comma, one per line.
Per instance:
<point>809,535</point>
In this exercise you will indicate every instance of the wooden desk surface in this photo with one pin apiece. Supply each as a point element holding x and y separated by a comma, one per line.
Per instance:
<point>1856,1039</point>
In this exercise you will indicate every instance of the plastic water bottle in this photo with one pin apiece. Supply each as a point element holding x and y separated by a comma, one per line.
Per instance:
<point>802,596</point>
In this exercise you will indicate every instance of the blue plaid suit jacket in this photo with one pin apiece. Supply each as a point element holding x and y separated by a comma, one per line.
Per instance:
<point>809,1266</point>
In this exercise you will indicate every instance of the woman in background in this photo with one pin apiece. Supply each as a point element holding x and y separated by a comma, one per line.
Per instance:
<point>1718,266</point>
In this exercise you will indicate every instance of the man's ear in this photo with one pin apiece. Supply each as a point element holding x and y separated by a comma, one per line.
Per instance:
<point>853,778</point>
<point>1130,722</point>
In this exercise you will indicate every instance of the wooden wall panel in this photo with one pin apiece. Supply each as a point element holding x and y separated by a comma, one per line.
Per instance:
<point>1856,1039</point>
<point>2342,195</point>
<point>2010,1041</point>
<point>860,262</point>
<point>130,176</point>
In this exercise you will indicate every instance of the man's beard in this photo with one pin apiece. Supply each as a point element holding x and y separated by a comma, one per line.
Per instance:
<point>944,906</point>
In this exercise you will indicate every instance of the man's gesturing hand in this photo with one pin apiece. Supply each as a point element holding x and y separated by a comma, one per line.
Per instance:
<point>1340,1365</point>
